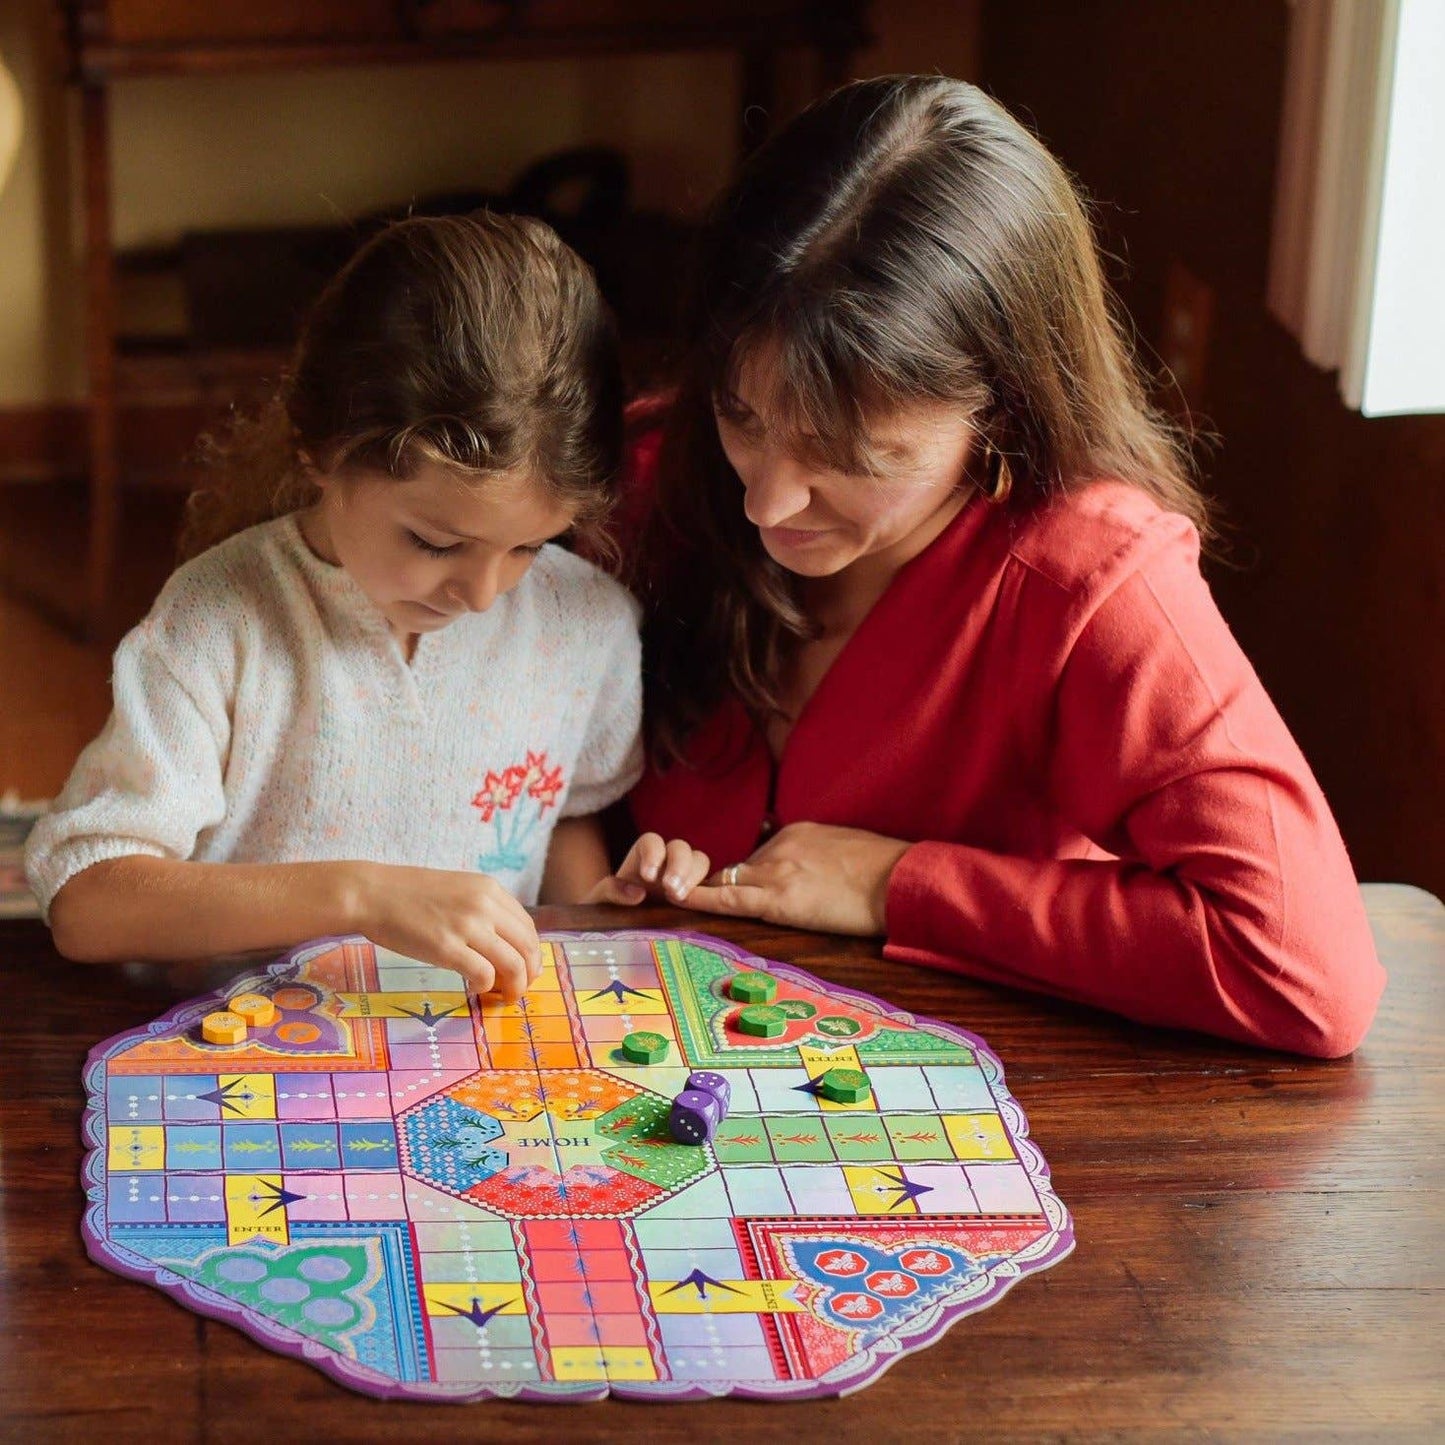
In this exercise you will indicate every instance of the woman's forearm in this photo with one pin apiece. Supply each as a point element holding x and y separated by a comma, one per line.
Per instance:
<point>1281,962</point>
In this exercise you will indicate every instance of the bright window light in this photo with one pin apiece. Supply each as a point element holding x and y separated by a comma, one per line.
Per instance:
<point>1404,366</point>
<point>1357,260</point>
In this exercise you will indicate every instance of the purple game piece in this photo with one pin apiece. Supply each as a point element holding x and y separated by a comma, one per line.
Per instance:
<point>695,1117</point>
<point>715,1084</point>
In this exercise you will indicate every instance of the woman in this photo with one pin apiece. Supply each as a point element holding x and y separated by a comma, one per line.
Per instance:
<point>928,653</point>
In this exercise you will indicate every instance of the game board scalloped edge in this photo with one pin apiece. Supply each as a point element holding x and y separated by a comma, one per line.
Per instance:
<point>859,1371</point>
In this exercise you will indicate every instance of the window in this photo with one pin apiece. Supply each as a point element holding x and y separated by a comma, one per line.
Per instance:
<point>1357,264</point>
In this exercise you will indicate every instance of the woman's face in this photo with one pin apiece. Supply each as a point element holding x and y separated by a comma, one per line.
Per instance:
<point>819,523</point>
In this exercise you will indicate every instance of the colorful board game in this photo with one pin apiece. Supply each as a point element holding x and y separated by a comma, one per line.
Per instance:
<point>437,1197</point>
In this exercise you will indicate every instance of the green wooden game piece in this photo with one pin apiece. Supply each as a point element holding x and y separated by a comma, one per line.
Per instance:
<point>845,1086</point>
<point>645,1047</point>
<point>763,1021</point>
<point>753,987</point>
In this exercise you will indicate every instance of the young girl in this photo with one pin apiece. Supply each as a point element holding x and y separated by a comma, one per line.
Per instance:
<point>928,651</point>
<point>393,708</point>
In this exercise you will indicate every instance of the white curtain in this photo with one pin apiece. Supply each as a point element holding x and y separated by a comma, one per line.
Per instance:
<point>9,120</point>
<point>1359,221</point>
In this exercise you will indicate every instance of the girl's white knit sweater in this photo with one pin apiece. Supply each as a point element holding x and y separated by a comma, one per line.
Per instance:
<point>264,712</point>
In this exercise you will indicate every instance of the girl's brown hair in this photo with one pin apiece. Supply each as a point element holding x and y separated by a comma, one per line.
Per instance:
<point>903,240</point>
<point>478,342</point>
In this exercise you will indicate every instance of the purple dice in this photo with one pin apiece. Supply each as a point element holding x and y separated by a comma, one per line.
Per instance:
<point>695,1117</point>
<point>715,1084</point>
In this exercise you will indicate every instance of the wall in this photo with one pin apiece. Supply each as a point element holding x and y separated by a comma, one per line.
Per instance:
<point>923,36</point>
<point>307,147</point>
<point>1335,580</point>
<point>40,325</point>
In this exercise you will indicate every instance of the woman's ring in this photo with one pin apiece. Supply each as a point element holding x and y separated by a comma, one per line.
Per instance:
<point>730,875</point>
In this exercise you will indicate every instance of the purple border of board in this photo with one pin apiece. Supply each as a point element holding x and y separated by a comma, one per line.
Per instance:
<point>859,1371</point>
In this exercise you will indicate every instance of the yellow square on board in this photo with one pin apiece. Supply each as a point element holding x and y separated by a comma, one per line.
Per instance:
<point>579,1362</point>
<point>628,1362</point>
<point>877,1190</point>
<point>135,1147</point>
<point>247,1096</point>
<point>977,1136</point>
<point>255,1209</point>
<point>547,981</point>
<point>432,1003</point>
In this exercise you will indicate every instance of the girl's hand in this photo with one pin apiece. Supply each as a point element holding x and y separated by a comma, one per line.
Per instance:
<point>809,875</point>
<point>652,867</point>
<point>463,921</point>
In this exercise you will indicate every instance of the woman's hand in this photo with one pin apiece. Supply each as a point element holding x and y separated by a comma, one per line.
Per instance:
<point>653,867</point>
<point>463,921</point>
<point>809,875</point>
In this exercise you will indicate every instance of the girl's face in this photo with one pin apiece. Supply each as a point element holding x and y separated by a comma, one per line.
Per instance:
<point>819,523</point>
<point>431,548</point>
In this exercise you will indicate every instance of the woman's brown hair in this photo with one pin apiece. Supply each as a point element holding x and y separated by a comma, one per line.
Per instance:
<point>478,342</point>
<point>903,240</point>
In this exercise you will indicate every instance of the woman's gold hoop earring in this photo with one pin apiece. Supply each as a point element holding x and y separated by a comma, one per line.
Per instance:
<point>996,468</point>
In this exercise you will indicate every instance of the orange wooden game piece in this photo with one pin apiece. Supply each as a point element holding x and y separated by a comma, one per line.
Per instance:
<point>298,1031</point>
<point>254,1008</point>
<point>223,1027</point>
<point>297,998</point>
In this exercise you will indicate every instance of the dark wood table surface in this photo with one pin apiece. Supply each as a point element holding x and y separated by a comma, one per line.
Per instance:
<point>1261,1239</point>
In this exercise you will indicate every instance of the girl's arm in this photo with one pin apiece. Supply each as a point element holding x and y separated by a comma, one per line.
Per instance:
<point>142,907</point>
<point>111,865</point>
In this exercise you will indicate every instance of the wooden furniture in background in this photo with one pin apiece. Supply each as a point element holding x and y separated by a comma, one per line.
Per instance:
<point>109,40</point>
<point>1258,1236</point>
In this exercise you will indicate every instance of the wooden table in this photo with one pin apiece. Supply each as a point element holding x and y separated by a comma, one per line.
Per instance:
<point>1259,1237</point>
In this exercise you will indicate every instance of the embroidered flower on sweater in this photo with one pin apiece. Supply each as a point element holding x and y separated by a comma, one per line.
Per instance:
<point>499,790</point>
<point>514,818</point>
